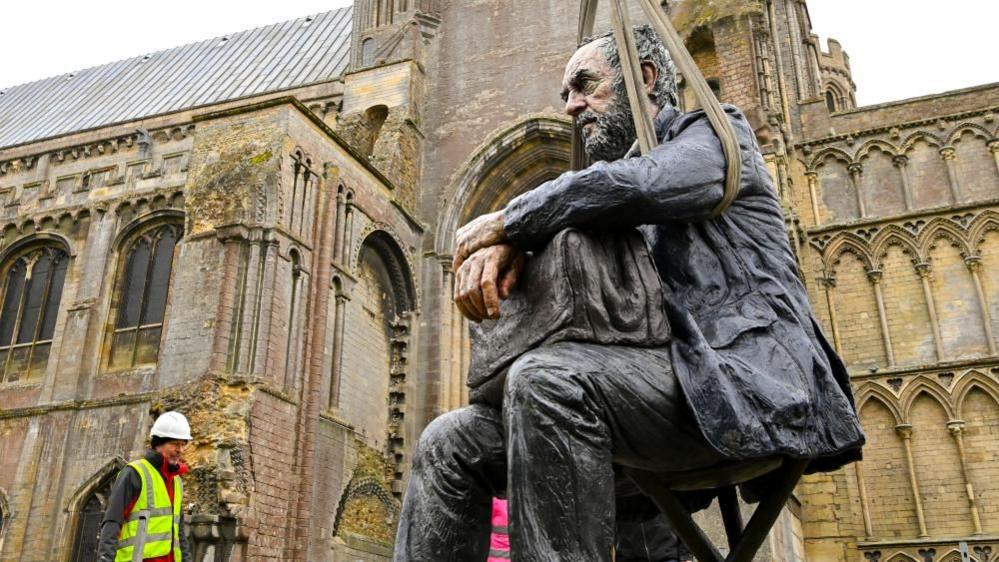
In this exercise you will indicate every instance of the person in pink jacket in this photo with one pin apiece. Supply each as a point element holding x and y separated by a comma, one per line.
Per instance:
<point>499,540</point>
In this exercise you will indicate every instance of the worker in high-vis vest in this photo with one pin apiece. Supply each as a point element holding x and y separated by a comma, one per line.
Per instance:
<point>144,518</point>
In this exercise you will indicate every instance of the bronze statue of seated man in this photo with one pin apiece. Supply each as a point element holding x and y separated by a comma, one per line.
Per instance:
<point>742,372</point>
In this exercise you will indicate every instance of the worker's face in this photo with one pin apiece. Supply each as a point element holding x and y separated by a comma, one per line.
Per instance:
<point>172,451</point>
<point>601,111</point>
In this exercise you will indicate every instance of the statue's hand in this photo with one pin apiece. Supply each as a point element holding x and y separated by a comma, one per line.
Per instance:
<point>482,232</point>
<point>487,276</point>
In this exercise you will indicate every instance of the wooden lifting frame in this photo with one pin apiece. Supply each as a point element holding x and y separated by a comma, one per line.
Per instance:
<point>743,541</point>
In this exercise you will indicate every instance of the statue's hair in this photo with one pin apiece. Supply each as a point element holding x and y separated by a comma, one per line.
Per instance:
<point>650,49</point>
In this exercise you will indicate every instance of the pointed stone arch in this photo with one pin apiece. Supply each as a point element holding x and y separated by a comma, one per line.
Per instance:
<point>926,136</point>
<point>952,556</point>
<point>398,266</point>
<point>920,385</point>
<point>973,380</point>
<point>871,391</point>
<point>943,229</point>
<point>980,226</point>
<point>893,235</point>
<point>975,129</point>
<point>847,243</point>
<point>513,160</point>
<point>830,152</point>
<point>875,143</point>
<point>38,238</point>
<point>79,508</point>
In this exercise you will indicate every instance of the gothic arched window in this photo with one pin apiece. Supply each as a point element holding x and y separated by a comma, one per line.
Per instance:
<point>88,520</point>
<point>141,296</point>
<point>367,52</point>
<point>88,530</point>
<point>291,360</point>
<point>32,289</point>
<point>830,101</point>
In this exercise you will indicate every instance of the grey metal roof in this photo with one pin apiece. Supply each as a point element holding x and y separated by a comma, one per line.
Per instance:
<point>267,59</point>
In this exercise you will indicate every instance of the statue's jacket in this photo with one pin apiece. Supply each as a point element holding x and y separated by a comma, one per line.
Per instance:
<point>754,366</point>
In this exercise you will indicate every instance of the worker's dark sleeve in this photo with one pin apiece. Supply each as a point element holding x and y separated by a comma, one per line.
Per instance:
<point>124,492</point>
<point>185,543</point>
<point>682,179</point>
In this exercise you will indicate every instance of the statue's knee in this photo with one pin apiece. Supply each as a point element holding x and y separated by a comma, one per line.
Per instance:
<point>438,437</point>
<point>533,375</point>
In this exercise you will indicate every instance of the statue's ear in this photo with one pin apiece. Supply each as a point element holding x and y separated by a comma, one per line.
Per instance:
<point>649,75</point>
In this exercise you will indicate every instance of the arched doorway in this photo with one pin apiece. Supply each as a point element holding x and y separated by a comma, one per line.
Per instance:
<point>87,510</point>
<point>515,161</point>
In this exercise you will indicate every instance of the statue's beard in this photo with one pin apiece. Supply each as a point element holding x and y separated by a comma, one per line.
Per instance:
<point>612,133</point>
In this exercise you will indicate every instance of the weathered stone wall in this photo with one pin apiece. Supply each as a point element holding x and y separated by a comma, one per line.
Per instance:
<point>896,205</point>
<point>257,189</point>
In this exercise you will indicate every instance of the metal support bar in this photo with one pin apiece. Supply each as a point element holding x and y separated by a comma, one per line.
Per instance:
<point>767,512</point>
<point>699,544</point>
<point>743,544</point>
<point>728,503</point>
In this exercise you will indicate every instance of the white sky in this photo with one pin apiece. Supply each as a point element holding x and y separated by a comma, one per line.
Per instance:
<point>906,48</point>
<point>898,48</point>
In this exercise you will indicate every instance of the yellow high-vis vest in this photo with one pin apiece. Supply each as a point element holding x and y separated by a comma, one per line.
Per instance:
<point>153,526</point>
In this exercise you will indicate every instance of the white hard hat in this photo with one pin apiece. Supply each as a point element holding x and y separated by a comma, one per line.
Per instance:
<point>172,425</point>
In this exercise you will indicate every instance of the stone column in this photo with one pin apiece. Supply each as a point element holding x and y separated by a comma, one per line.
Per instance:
<point>974,264</point>
<point>828,284</point>
<point>994,147</point>
<point>336,376</point>
<point>232,240</point>
<point>457,337</point>
<point>447,309</point>
<point>813,193</point>
<point>214,537</point>
<point>855,171</point>
<point>923,270</point>
<point>948,154</point>
<point>261,350</point>
<point>956,428</point>
<point>348,235</point>
<point>874,276</point>
<point>340,227</point>
<point>902,163</point>
<point>240,356</point>
<point>466,360</point>
<point>858,468</point>
<point>905,432</point>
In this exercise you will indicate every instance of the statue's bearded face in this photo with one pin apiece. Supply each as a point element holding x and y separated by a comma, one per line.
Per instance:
<point>601,111</point>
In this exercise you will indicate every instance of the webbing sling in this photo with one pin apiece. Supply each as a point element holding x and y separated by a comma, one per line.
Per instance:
<point>631,69</point>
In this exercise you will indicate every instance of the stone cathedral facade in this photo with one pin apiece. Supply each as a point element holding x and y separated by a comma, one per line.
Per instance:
<point>256,230</point>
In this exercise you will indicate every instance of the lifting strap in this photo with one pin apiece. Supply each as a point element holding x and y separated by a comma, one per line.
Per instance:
<point>632,71</point>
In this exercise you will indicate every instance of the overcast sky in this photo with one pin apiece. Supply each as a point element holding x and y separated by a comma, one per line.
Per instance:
<point>898,48</point>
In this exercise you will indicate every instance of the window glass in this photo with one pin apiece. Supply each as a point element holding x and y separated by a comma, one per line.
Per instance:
<point>142,298</point>
<point>134,285</point>
<point>159,281</point>
<point>55,295</point>
<point>11,302</point>
<point>31,295</point>
<point>33,304</point>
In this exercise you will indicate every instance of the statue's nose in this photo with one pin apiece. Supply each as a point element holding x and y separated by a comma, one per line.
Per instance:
<point>575,105</point>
